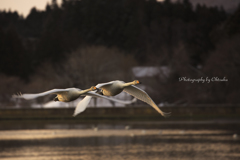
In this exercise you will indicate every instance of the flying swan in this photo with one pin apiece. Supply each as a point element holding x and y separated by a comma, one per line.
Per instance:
<point>70,94</point>
<point>115,87</point>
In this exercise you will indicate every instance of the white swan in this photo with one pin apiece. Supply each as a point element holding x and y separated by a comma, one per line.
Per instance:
<point>70,94</point>
<point>63,95</point>
<point>115,87</point>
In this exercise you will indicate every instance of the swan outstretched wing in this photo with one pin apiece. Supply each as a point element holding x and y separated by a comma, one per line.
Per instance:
<point>104,84</point>
<point>143,96</point>
<point>32,96</point>
<point>82,105</point>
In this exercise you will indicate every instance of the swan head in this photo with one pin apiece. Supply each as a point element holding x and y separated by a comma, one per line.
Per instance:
<point>136,82</point>
<point>93,88</point>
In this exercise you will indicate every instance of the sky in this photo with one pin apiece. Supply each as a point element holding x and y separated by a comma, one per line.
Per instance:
<point>23,7</point>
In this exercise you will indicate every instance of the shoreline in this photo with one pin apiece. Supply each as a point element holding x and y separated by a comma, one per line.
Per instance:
<point>83,133</point>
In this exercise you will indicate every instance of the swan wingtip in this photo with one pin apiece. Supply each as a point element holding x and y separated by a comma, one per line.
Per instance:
<point>134,100</point>
<point>74,114</point>
<point>17,95</point>
<point>166,115</point>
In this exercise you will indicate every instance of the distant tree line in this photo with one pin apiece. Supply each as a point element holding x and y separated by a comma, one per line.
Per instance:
<point>139,27</point>
<point>191,41</point>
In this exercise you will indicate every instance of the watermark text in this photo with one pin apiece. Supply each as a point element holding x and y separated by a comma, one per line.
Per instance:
<point>203,79</point>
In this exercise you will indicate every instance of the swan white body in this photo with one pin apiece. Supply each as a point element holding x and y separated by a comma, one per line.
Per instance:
<point>115,87</point>
<point>70,94</point>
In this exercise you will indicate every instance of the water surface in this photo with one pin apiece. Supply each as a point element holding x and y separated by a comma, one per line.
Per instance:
<point>211,140</point>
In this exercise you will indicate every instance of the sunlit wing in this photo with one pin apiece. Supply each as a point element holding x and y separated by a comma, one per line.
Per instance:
<point>143,96</point>
<point>104,84</point>
<point>82,105</point>
<point>32,96</point>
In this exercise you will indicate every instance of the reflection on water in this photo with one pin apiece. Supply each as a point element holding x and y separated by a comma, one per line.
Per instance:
<point>168,144</point>
<point>117,141</point>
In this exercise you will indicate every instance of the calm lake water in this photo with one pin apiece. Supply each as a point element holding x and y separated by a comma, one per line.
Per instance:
<point>169,140</point>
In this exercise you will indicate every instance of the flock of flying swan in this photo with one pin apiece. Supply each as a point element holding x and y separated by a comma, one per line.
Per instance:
<point>102,90</point>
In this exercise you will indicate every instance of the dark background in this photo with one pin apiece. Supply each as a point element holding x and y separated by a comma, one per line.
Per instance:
<point>83,43</point>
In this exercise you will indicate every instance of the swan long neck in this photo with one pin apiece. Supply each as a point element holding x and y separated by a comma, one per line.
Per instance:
<point>128,84</point>
<point>84,91</point>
